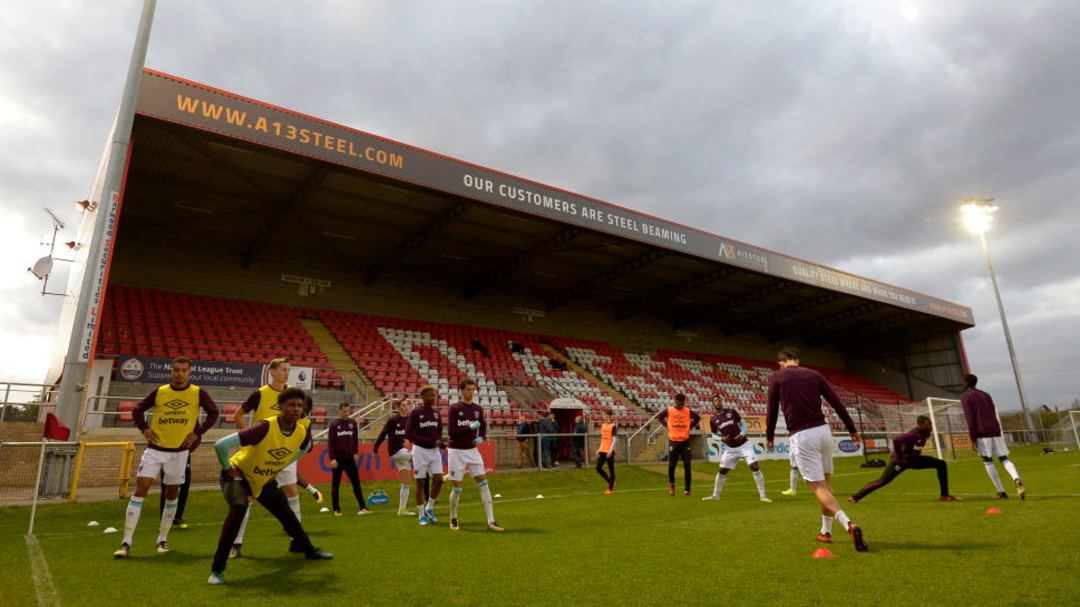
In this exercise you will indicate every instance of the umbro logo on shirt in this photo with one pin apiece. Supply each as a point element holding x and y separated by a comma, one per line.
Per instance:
<point>275,407</point>
<point>175,405</point>
<point>279,453</point>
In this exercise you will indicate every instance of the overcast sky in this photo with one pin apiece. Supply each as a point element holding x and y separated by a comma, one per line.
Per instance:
<point>845,133</point>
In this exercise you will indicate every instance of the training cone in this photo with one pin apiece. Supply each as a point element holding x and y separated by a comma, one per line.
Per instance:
<point>993,511</point>
<point>823,553</point>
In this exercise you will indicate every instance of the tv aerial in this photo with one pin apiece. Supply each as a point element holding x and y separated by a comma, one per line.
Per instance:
<point>43,267</point>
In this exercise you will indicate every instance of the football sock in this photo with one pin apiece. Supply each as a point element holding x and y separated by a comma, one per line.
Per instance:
<point>430,504</point>
<point>404,502</point>
<point>842,518</point>
<point>794,478</point>
<point>243,525</point>
<point>455,497</point>
<point>485,498</point>
<point>759,479</point>
<point>826,524</point>
<point>134,509</point>
<point>312,490</point>
<point>294,505</point>
<point>719,484</point>
<point>167,516</point>
<point>1010,468</point>
<point>993,473</point>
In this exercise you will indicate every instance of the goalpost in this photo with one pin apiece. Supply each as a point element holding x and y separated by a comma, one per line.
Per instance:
<point>1073,415</point>
<point>950,425</point>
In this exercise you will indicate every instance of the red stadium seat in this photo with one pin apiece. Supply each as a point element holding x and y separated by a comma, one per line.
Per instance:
<point>127,407</point>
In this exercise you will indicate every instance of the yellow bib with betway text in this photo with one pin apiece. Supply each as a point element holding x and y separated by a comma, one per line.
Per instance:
<point>268,405</point>
<point>262,461</point>
<point>176,414</point>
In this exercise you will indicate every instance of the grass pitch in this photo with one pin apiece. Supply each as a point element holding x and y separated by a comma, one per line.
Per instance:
<point>579,547</point>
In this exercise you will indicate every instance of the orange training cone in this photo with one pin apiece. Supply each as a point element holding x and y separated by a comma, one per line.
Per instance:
<point>823,553</point>
<point>993,511</point>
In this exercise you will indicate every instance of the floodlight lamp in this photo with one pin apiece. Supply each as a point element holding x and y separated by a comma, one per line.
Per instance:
<point>978,214</point>
<point>85,205</point>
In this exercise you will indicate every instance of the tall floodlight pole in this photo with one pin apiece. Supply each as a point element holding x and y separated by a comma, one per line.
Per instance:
<point>77,361</point>
<point>978,214</point>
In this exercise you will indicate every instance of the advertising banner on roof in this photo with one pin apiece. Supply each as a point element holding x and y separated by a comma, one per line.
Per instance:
<point>183,102</point>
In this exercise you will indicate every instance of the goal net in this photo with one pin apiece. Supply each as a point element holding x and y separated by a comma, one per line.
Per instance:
<point>950,426</point>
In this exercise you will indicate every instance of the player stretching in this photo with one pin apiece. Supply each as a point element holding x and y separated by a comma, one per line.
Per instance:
<point>424,429</point>
<point>907,453</point>
<point>343,442</point>
<point>170,437</point>
<point>266,448</point>
<point>263,404</point>
<point>985,431</point>
<point>606,453</point>
<point>398,448</point>
<point>799,391</point>
<point>729,428</point>
<point>679,420</point>
<point>467,429</point>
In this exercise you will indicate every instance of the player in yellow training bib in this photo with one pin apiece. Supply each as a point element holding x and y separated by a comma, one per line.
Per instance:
<point>173,432</point>
<point>267,447</point>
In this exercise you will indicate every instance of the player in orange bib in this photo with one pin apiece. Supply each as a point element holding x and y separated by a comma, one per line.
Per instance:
<point>606,452</point>
<point>679,421</point>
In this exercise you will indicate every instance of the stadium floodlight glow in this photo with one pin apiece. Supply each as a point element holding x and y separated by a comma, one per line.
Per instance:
<point>86,205</point>
<point>978,214</point>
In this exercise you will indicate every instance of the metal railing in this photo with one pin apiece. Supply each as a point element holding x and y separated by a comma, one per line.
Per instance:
<point>22,401</point>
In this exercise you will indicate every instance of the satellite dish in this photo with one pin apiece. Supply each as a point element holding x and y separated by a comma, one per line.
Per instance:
<point>42,267</point>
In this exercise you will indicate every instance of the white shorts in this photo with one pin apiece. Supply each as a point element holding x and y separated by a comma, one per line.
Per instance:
<point>732,455</point>
<point>426,462</point>
<point>813,449</point>
<point>287,476</point>
<point>791,457</point>
<point>173,463</point>
<point>402,458</point>
<point>460,460</point>
<point>992,446</point>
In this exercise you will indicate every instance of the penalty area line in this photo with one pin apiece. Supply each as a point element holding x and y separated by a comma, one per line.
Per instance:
<point>46,592</point>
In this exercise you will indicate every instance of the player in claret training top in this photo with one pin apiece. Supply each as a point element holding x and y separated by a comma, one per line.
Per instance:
<point>985,432</point>
<point>171,435</point>
<point>728,427</point>
<point>679,421</point>
<point>467,429</point>
<point>799,391</point>
<point>343,442</point>
<point>606,453</point>
<point>424,429</point>
<point>907,453</point>
<point>267,447</point>
<point>397,445</point>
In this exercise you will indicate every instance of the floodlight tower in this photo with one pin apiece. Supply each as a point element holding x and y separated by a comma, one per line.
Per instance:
<point>978,214</point>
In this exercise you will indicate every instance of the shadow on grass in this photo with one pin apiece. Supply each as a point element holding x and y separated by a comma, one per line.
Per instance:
<point>880,546</point>
<point>276,569</point>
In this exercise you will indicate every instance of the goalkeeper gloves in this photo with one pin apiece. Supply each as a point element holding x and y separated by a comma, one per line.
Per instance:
<point>474,425</point>
<point>478,440</point>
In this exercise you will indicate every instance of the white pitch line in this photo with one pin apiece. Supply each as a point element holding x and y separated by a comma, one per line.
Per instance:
<point>46,592</point>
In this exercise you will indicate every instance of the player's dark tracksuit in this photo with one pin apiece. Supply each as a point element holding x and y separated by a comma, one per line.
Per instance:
<point>907,453</point>
<point>343,443</point>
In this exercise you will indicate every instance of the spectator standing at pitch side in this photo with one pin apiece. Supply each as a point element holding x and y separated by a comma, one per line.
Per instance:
<point>985,432</point>
<point>798,391</point>
<point>679,421</point>
<point>525,443</point>
<point>577,447</point>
